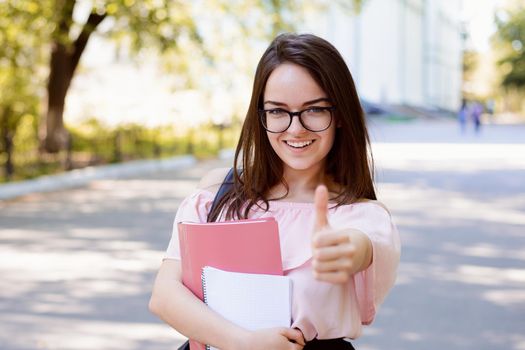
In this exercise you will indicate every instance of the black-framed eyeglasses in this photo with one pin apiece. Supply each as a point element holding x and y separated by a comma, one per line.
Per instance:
<point>314,119</point>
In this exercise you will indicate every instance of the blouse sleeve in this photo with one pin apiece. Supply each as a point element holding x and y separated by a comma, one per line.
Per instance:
<point>193,208</point>
<point>373,284</point>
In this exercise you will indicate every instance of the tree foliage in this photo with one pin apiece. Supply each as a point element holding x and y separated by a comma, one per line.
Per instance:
<point>145,23</point>
<point>510,41</point>
<point>42,43</point>
<point>22,30</point>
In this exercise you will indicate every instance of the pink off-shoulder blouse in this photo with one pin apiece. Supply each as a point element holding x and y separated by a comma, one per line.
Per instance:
<point>320,309</point>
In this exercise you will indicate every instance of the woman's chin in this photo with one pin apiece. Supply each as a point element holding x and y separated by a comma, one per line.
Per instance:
<point>301,166</point>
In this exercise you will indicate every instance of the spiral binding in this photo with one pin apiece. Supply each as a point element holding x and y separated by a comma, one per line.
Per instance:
<point>205,295</point>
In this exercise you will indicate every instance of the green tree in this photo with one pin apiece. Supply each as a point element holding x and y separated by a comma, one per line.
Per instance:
<point>147,22</point>
<point>136,24</point>
<point>21,56</point>
<point>510,42</point>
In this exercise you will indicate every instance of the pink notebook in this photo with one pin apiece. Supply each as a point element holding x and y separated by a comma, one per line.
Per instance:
<point>249,246</point>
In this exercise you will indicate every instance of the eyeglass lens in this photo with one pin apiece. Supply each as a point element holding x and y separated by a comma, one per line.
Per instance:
<point>313,119</point>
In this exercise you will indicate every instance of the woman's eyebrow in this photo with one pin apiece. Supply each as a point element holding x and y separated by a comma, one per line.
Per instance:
<point>321,99</point>
<point>276,103</point>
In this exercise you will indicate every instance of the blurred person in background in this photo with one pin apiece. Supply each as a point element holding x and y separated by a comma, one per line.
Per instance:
<point>475,111</point>
<point>463,116</point>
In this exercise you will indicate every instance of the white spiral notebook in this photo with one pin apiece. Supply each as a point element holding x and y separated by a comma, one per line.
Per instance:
<point>252,301</point>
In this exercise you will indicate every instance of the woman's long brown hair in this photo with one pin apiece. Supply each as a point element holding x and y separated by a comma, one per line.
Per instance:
<point>349,162</point>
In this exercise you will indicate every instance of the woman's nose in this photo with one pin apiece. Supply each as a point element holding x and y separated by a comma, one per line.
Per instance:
<point>296,127</point>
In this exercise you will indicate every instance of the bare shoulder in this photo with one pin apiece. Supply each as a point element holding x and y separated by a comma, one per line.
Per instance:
<point>213,179</point>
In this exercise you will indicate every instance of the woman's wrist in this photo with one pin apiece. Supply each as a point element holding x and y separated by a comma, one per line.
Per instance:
<point>367,259</point>
<point>364,249</point>
<point>238,340</point>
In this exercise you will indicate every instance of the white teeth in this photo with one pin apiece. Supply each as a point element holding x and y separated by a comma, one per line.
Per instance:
<point>299,144</point>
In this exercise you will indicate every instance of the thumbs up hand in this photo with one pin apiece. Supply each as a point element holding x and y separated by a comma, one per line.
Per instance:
<point>336,254</point>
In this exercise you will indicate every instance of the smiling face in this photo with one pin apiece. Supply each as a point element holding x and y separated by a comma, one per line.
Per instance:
<point>292,88</point>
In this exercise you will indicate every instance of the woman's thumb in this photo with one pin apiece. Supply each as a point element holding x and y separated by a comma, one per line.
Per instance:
<point>293,334</point>
<point>321,207</point>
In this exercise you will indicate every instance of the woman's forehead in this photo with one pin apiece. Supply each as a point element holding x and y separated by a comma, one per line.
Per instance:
<point>292,84</point>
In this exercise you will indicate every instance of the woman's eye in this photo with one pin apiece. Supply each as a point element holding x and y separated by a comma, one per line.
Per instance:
<point>315,110</point>
<point>276,112</point>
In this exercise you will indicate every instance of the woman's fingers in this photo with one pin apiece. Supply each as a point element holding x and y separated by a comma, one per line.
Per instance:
<point>293,334</point>
<point>343,264</point>
<point>334,252</point>
<point>333,256</point>
<point>332,277</point>
<point>330,238</point>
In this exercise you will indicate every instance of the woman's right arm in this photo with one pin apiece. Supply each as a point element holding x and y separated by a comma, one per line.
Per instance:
<point>177,306</point>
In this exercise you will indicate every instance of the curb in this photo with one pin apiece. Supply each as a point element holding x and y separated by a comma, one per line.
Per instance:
<point>82,177</point>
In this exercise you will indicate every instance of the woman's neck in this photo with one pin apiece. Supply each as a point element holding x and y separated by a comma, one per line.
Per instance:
<point>301,185</point>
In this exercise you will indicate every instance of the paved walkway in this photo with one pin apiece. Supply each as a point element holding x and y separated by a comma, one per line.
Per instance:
<point>459,202</point>
<point>77,265</point>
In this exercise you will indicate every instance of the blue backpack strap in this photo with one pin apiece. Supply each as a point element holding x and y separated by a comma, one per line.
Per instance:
<point>227,183</point>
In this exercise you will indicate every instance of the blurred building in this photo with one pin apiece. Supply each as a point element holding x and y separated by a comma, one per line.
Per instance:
<point>400,52</point>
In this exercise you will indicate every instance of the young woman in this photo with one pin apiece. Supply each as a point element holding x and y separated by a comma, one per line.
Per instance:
<point>304,155</point>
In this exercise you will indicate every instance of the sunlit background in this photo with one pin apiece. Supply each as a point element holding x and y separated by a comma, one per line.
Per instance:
<point>400,53</point>
<point>93,82</point>
<point>118,107</point>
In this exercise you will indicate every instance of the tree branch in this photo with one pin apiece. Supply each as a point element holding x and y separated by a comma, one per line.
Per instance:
<point>80,43</point>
